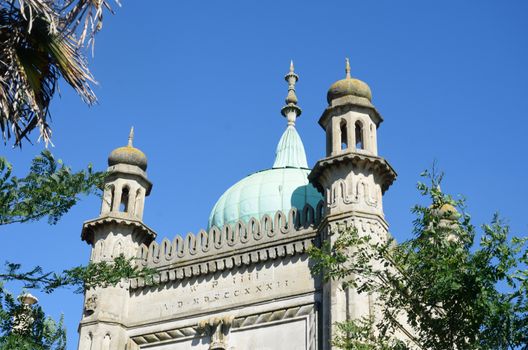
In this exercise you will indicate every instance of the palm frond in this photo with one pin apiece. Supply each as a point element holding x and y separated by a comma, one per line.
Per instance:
<point>88,14</point>
<point>37,48</point>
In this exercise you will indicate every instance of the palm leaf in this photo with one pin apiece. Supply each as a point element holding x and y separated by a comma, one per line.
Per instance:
<point>38,47</point>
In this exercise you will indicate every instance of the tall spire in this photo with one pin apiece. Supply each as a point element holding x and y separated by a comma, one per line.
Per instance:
<point>290,150</point>
<point>347,68</point>
<point>291,111</point>
<point>131,137</point>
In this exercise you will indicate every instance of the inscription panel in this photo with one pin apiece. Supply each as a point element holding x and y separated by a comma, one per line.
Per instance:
<point>228,289</point>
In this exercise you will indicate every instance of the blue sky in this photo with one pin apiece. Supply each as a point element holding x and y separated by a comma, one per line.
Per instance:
<point>202,82</point>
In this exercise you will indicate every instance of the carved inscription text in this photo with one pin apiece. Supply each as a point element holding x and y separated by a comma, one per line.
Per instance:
<point>243,286</point>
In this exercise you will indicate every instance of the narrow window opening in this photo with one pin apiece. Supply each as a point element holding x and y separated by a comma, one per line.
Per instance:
<point>112,198</point>
<point>359,136</point>
<point>344,138</point>
<point>123,207</point>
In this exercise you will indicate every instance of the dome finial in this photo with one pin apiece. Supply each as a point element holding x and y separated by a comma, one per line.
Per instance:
<point>131,137</point>
<point>349,87</point>
<point>128,154</point>
<point>291,111</point>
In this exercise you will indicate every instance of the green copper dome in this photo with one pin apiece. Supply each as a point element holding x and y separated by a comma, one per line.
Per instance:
<point>282,187</point>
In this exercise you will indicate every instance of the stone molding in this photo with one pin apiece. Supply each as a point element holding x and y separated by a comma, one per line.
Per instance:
<point>370,225</point>
<point>230,239</point>
<point>91,225</point>
<point>275,241</point>
<point>194,269</point>
<point>374,164</point>
<point>294,243</point>
<point>237,323</point>
<point>363,221</point>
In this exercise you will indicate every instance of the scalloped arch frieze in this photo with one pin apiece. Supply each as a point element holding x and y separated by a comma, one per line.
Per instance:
<point>233,260</point>
<point>231,238</point>
<point>354,191</point>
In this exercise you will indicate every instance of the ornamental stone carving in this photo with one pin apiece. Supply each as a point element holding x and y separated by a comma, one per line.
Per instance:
<point>218,329</point>
<point>90,305</point>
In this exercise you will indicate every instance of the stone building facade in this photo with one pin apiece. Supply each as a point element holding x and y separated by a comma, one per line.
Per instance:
<point>245,282</point>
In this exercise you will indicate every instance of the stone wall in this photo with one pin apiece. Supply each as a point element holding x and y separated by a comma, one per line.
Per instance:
<point>257,275</point>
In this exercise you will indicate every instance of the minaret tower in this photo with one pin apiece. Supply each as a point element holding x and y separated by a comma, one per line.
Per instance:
<point>119,230</point>
<point>352,178</point>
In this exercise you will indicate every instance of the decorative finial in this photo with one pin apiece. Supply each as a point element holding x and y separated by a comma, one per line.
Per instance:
<point>291,111</point>
<point>27,299</point>
<point>347,68</point>
<point>131,137</point>
<point>23,320</point>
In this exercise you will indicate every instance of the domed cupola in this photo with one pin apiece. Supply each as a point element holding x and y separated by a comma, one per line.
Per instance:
<point>128,155</point>
<point>350,91</point>
<point>348,87</point>
<point>284,186</point>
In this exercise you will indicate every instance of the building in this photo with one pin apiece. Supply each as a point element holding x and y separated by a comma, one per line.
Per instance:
<point>245,283</point>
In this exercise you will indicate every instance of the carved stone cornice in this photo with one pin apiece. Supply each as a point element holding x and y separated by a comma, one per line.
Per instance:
<point>229,261</point>
<point>377,165</point>
<point>238,322</point>
<point>90,226</point>
<point>229,247</point>
<point>367,222</point>
<point>253,234</point>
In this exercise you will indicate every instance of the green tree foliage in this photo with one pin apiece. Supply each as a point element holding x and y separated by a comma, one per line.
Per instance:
<point>42,333</point>
<point>95,274</point>
<point>48,191</point>
<point>451,286</point>
<point>42,41</point>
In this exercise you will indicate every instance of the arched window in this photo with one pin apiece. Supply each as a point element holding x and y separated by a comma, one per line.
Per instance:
<point>344,138</point>
<point>359,135</point>
<point>123,207</point>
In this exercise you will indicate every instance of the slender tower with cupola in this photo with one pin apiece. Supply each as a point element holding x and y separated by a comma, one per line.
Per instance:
<point>352,178</point>
<point>118,231</point>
